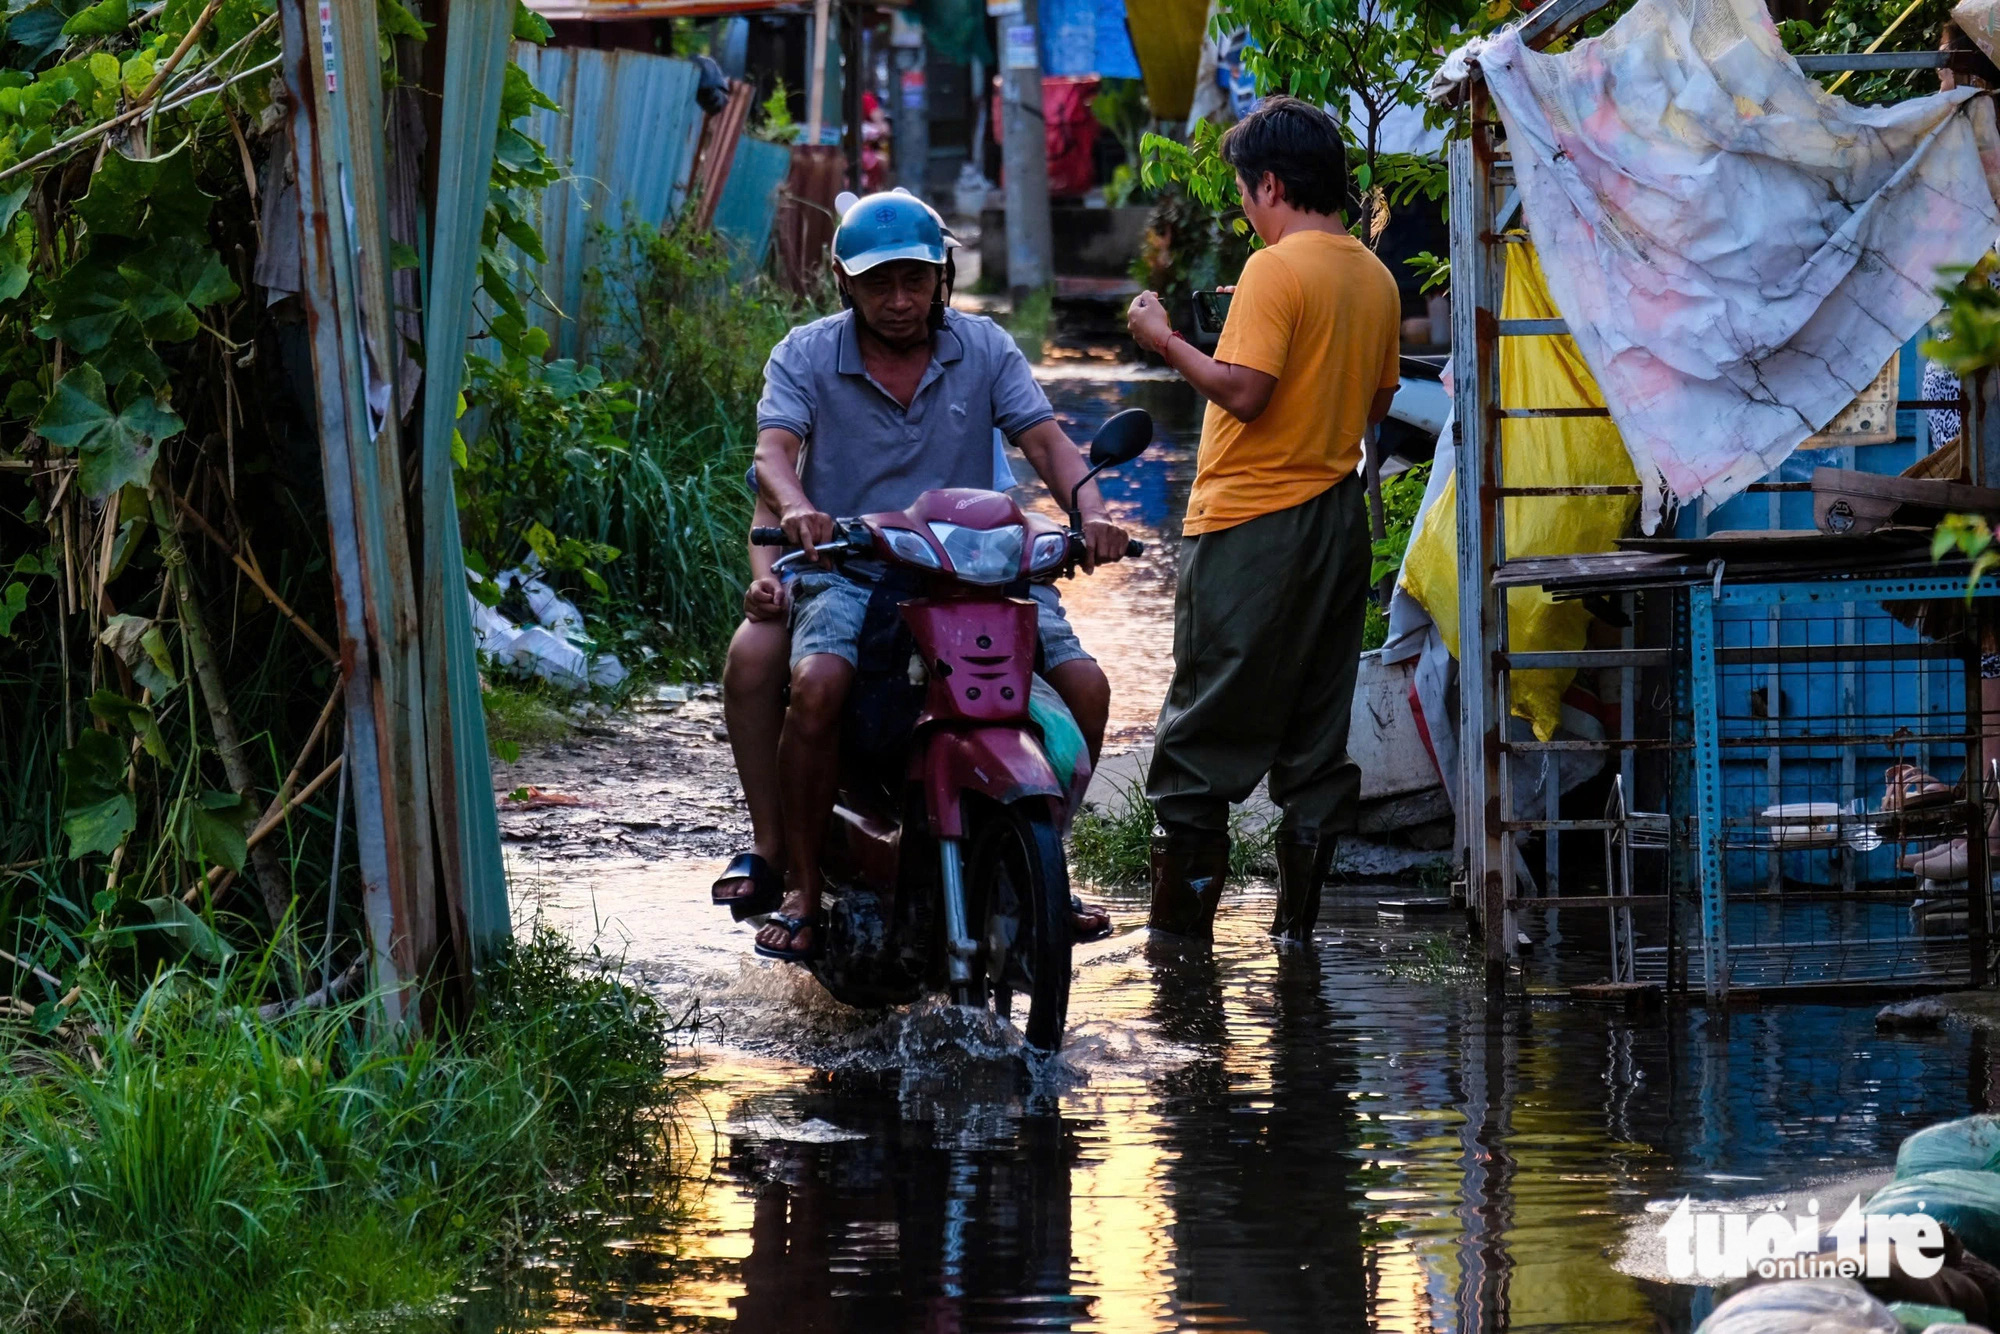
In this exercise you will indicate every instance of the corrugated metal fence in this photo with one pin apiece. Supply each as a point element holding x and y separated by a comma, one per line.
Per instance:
<point>625,141</point>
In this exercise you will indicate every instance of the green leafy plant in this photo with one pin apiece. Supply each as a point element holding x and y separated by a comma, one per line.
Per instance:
<point>1851,25</point>
<point>1967,341</point>
<point>1371,56</point>
<point>1971,537</point>
<point>773,120</point>
<point>1402,503</point>
<point>1111,846</point>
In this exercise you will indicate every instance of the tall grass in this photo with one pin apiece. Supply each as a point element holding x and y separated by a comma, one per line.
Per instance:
<point>1112,846</point>
<point>690,340</point>
<point>189,1167</point>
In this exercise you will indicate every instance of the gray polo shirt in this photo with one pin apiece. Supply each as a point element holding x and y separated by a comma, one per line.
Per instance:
<point>864,452</point>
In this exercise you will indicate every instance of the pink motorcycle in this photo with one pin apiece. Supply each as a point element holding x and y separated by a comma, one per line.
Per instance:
<point>944,863</point>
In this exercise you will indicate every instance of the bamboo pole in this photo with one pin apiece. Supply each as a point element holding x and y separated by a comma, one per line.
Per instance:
<point>269,876</point>
<point>222,877</point>
<point>256,574</point>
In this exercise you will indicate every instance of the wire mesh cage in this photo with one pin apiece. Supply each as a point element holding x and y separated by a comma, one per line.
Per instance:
<point>1842,785</point>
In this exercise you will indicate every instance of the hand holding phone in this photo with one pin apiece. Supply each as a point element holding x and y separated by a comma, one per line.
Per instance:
<point>1211,309</point>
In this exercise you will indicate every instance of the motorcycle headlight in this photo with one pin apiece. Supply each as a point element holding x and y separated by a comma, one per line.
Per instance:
<point>911,547</point>
<point>1049,551</point>
<point>983,556</point>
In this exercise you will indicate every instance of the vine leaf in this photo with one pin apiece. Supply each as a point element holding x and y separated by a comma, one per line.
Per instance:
<point>168,281</point>
<point>146,197</point>
<point>97,810</point>
<point>11,200</point>
<point>115,447</point>
<point>215,825</point>
<point>184,930</point>
<point>119,711</point>
<point>13,601</point>
<point>107,18</point>
<point>142,648</point>
<point>38,30</point>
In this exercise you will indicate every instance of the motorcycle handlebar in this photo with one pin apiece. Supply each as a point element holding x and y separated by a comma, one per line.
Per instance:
<point>775,537</point>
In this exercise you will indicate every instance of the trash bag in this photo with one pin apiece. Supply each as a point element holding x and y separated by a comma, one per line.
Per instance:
<point>1971,1144</point>
<point>1818,1305</point>
<point>1966,1202</point>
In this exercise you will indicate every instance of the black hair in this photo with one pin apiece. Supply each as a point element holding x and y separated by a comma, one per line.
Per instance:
<point>1299,144</point>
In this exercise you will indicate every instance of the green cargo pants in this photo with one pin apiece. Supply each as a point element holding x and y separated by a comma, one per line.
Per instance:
<point>1267,640</point>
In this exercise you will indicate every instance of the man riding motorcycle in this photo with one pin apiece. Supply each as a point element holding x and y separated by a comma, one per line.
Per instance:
<point>863,411</point>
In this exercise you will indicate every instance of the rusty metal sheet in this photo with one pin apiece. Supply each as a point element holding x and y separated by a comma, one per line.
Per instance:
<point>334,78</point>
<point>748,208</point>
<point>806,221</point>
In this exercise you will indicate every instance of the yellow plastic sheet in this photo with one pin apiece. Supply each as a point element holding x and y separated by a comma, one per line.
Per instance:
<point>1166,36</point>
<point>1538,372</point>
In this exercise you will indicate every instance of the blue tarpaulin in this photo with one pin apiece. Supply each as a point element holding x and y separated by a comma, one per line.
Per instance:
<point>1087,37</point>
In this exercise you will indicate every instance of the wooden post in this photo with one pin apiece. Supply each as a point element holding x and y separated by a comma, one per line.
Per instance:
<point>816,82</point>
<point>1482,624</point>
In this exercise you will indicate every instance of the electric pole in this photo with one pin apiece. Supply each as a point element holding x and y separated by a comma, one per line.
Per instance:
<point>1024,156</point>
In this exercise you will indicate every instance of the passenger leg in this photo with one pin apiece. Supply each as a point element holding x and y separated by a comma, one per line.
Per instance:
<point>753,706</point>
<point>808,774</point>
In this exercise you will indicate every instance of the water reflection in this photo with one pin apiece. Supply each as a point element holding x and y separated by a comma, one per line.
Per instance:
<point>1327,1139</point>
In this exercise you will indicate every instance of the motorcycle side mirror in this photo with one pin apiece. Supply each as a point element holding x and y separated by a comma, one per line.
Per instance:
<point>1121,439</point>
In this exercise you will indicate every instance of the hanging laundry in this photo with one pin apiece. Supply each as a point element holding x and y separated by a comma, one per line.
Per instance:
<point>1736,252</point>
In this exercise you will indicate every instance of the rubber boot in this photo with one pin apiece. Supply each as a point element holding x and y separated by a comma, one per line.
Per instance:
<point>1303,864</point>
<point>1189,871</point>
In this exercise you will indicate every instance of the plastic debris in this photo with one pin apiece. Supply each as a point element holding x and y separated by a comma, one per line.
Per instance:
<point>555,648</point>
<point>1821,1305</point>
<point>1966,1202</point>
<point>1971,1143</point>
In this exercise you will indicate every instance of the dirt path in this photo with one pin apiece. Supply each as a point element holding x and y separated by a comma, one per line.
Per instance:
<point>654,781</point>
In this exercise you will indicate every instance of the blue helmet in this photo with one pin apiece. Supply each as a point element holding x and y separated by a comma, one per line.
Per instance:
<point>876,229</point>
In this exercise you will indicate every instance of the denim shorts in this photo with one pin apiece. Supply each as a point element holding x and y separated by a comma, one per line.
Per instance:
<point>828,609</point>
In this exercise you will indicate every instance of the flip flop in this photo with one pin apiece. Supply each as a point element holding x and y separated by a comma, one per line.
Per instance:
<point>1076,910</point>
<point>767,887</point>
<point>794,925</point>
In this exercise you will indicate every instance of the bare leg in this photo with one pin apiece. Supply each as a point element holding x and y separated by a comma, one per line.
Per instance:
<point>808,775</point>
<point>753,704</point>
<point>1081,683</point>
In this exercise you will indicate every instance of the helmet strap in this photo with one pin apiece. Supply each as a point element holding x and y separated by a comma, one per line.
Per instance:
<point>942,297</point>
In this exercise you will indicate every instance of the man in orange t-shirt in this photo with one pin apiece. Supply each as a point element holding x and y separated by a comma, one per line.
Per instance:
<point>1275,554</point>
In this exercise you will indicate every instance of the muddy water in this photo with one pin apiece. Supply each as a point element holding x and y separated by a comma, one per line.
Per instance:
<point>1336,1138</point>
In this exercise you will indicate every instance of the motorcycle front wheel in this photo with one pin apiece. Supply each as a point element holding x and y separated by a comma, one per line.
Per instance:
<point>1017,908</point>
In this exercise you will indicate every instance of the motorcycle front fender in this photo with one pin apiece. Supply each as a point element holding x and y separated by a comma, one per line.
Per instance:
<point>1004,764</point>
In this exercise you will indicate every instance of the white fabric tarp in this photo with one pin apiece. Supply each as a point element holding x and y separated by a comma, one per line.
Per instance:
<point>1737,253</point>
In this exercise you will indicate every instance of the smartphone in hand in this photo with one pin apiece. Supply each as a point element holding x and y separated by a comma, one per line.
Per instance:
<point>1211,308</point>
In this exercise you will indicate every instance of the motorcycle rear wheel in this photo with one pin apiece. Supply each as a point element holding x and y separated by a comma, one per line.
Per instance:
<point>1017,908</point>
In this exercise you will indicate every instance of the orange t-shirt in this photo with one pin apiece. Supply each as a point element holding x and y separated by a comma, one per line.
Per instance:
<point>1321,313</point>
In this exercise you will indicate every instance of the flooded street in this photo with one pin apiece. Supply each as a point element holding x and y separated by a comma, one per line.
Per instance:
<point>1339,1138</point>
